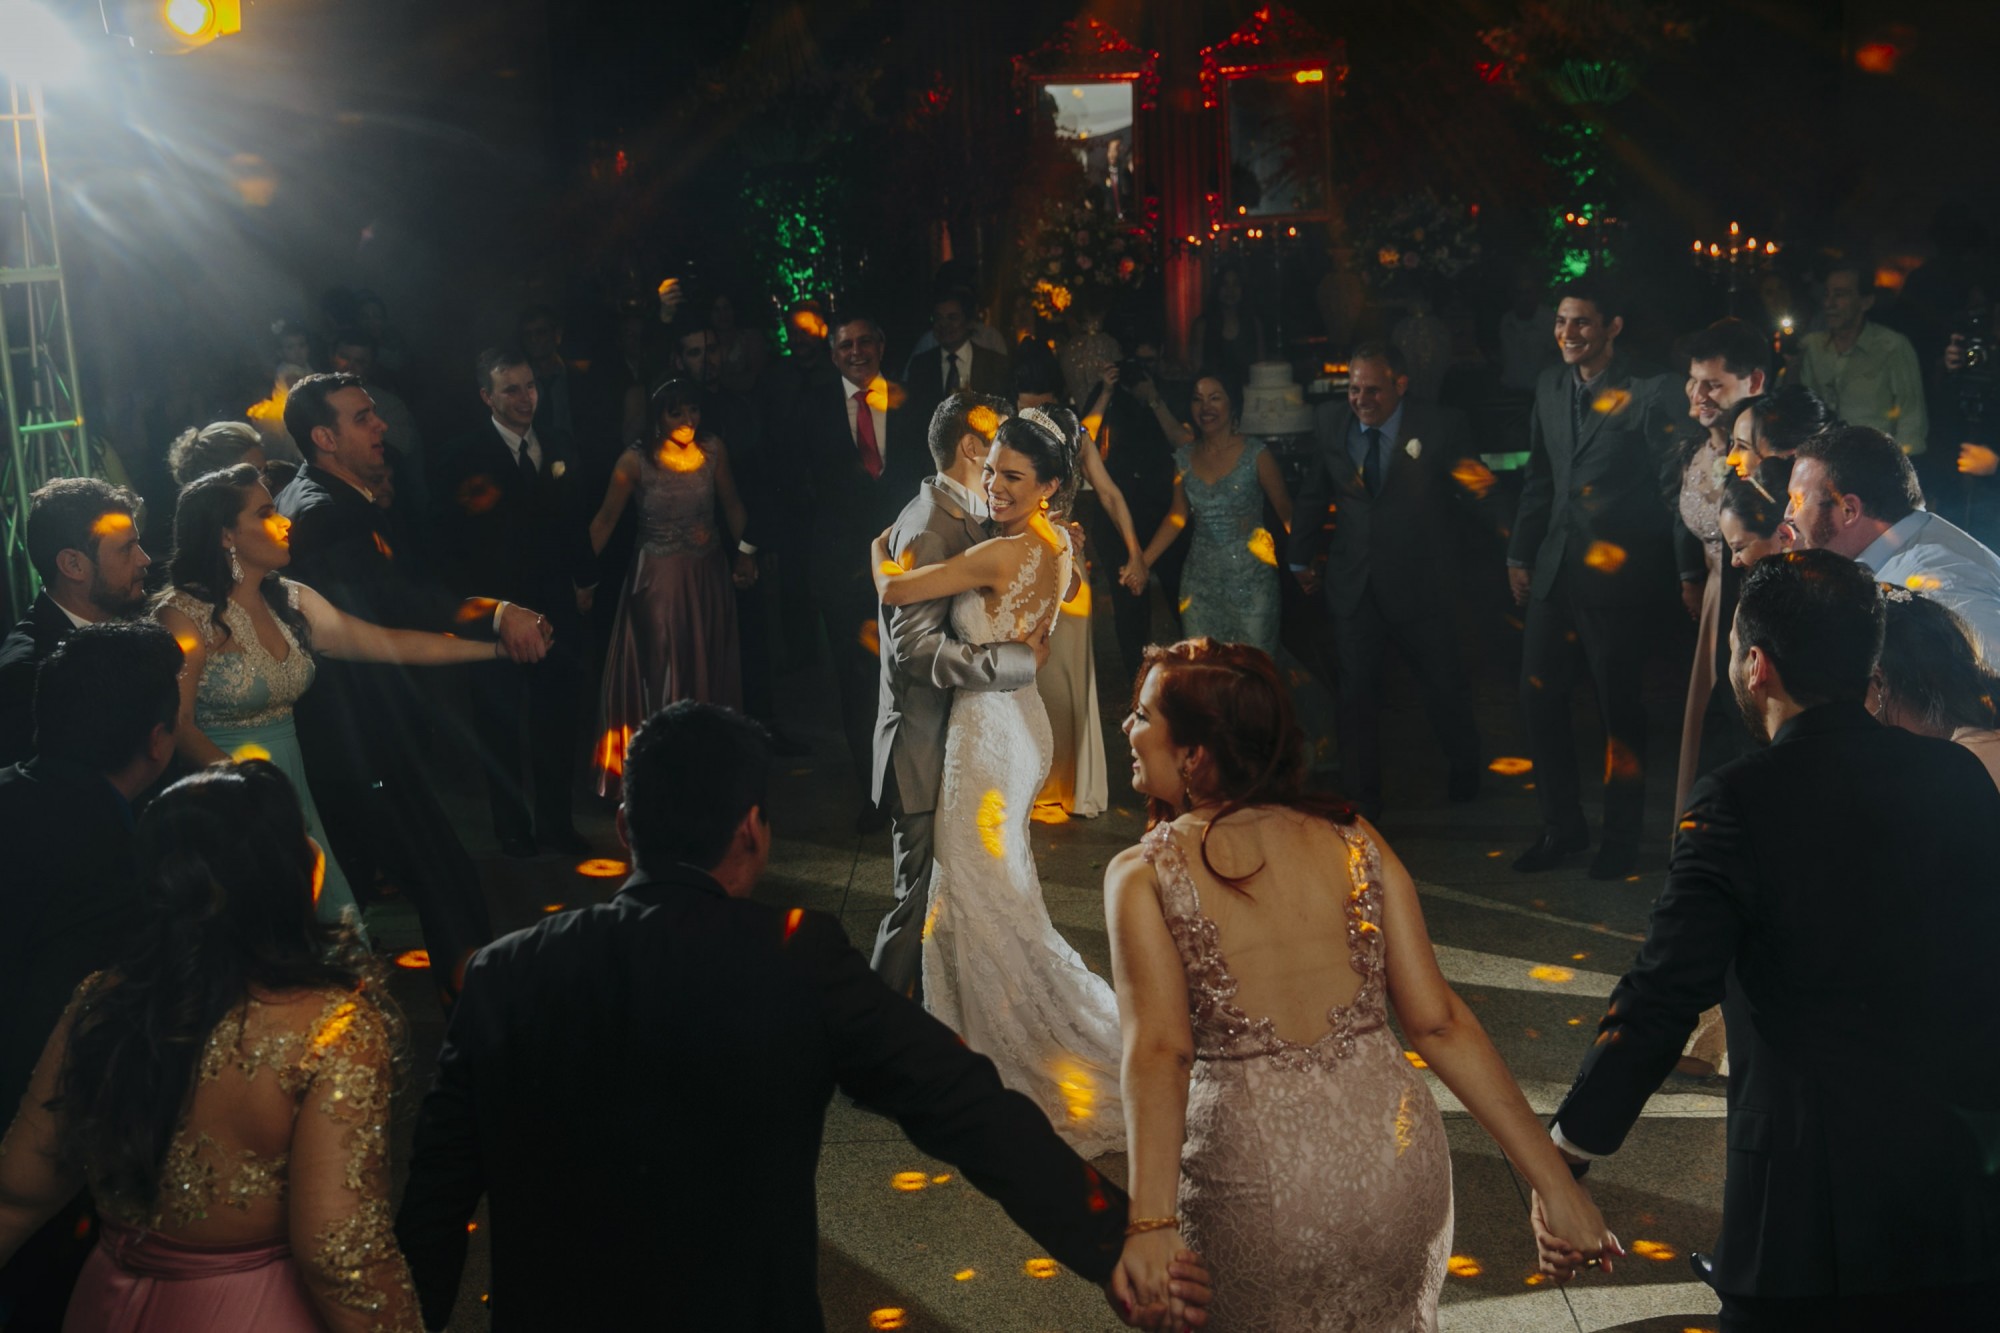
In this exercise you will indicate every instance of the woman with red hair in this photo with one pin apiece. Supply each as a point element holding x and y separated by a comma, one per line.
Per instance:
<point>1258,935</point>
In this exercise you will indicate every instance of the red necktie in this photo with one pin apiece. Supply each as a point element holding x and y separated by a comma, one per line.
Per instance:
<point>864,434</point>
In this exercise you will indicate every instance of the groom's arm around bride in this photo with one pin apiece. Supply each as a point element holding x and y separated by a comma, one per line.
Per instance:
<point>923,664</point>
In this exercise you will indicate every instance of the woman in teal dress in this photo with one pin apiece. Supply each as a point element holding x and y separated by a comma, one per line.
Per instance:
<point>1229,590</point>
<point>250,637</point>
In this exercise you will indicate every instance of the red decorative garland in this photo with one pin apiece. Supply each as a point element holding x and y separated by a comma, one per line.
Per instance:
<point>1085,50</point>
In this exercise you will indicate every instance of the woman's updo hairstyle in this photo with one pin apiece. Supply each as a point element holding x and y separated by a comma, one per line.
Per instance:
<point>1930,666</point>
<point>1046,437</point>
<point>1229,699</point>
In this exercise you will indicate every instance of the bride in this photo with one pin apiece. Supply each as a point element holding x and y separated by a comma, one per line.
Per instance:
<point>995,969</point>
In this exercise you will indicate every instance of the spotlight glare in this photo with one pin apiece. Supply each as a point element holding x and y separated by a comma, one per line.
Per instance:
<point>189,18</point>
<point>35,47</point>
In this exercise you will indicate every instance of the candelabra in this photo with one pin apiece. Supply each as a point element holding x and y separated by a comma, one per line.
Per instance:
<point>1733,262</point>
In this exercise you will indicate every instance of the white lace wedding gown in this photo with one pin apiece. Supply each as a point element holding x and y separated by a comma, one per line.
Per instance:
<point>995,970</point>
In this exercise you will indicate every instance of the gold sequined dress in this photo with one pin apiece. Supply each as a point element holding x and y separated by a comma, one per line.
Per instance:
<point>1315,1179</point>
<point>272,1214</point>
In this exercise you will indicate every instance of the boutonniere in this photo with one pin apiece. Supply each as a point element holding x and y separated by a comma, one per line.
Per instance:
<point>1414,448</point>
<point>557,468</point>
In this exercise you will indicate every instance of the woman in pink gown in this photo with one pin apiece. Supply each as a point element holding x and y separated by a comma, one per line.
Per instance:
<point>224,1093</point>
<point>1258,935</point>
<point>675,634</point>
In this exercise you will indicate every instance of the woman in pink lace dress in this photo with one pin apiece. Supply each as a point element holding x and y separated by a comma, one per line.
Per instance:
<point>1258,935</point>
<point>224,1093</point>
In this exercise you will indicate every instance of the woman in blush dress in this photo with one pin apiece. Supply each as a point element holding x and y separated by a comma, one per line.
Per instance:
<point>675,635</point>
<point>1229,590</point>
<point>1258,935</point>
<point>250,636</point>
<point>223,1091</point>
<point>1930,679</point>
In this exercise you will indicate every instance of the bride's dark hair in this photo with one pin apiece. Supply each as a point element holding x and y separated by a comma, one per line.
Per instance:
<point>1047,437</point>
<point>209,506</point>
<point>1228,698</point>
<point>227,877</point>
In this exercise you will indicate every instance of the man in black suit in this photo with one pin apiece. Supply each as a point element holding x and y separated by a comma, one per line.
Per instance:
<point>361,725</point>
<point>1376,503</point>
<point>956,362</point>
<point>866,453</point>
<point>648,1079</point>
<point>83,540</point>
<point>512,523</point>
<point>1591,558</point>
<point>104,709</point>
<point>1837,893</point>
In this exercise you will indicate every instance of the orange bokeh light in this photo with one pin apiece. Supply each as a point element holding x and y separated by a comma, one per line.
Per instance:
<point>414,959</point>
<point>1309,76</point>
<point>599,867</point>
<point>610,755</point>
<point>1605,557</point>
<point>1511,767</point>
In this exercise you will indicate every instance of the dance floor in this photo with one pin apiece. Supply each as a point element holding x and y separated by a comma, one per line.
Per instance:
<point>906,1243</point>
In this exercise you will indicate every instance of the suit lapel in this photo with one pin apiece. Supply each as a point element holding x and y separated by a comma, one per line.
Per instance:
<point>1602,404</point>
<point>1346,477</point>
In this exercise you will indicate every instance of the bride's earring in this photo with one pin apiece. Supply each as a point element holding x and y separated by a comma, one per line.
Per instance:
<point>1187,786</point>
<point>235,567</point>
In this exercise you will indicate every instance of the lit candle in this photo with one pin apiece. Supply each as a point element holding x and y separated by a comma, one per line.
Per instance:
<point>1734,230</point>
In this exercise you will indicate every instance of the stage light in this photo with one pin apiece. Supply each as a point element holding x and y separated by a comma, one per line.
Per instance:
<point>34,45</point>
<point>171,27</point>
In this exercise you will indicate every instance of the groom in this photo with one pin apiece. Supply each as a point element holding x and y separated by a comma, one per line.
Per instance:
<point>922,664</point>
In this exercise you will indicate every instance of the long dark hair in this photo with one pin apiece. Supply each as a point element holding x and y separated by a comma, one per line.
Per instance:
<point>1048,439</point>
<point>1930,665</point>
<point>227,874</point>
<point>208,506</point>
<point>1229,699</point>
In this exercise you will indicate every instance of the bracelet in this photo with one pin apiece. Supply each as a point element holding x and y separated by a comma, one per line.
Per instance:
<point>1144,1224</point>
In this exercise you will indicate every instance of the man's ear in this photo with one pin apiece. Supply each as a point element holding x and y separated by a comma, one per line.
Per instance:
<point>972,446</point>
<point>322,439</point>
<point>1756,381</point>
<point>74,564</point>
<point>160,744</point>
<point>1615,327</point>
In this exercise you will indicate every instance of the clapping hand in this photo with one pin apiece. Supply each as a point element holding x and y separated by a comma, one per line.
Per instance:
<point>1576,1216</point>
<point>1160,1283</point>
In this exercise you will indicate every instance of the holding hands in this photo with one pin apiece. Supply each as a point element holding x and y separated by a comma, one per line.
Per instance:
<point>525,635</point>
<point>1554,1219</point>
<point>1159,1283</point>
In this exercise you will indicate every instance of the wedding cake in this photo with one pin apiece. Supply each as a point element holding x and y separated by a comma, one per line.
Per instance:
<point>1272,403</point>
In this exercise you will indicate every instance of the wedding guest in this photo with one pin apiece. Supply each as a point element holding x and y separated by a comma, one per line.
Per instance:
<point>1776,424</point>
<point>1751,517</point>
<point>1855,493</point>
<point>223,1092</point>
<point>356,352</point>
<point>104,710</point>
<point>675,636</point>
<point>1229,587</point>
<point>83,542</point>
<point>1930,679</point>
<point>200,450</point>
<point>250,637</point>
<point>955,362</point>
<point>1865,372</point>
<point>1229,336</point>
<point>1775,906</point>
<point>1376,507</point>
<point>744,353</point>
<point>1727,364</point>
<point>510,523</point>
<point>1302,1154</point>
<point>594,1020</point>
<point>1591,559</point>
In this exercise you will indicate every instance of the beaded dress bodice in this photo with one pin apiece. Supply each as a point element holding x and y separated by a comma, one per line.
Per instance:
<point>242,684</point>
<point>677,501</point>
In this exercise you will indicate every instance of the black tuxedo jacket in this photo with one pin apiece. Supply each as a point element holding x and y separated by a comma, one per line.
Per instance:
<point>849,509</point>
<point>924,375</point>
<point>21,656</point>
<point>345,549</point>
<point>1838,892</point>
<point>501,536</point>
<point>646,1082</point>
<point>66,902</point>
<point>1399,540</point>
<point>1596,508</point>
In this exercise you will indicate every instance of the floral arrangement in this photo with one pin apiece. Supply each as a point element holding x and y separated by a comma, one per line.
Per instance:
<point>1422,235</point>
<point>1075,249</point>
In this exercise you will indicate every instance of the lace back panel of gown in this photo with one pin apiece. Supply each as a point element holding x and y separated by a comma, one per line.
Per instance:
<point>1315,1178</point>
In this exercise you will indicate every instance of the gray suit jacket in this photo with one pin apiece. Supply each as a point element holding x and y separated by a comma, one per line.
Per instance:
<point>922,663</point>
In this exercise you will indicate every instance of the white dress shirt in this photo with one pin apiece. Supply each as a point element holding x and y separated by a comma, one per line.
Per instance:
<point>1926,554</point>
<point>963,358</point>
<point>877,390</point>
<point>516,443</point>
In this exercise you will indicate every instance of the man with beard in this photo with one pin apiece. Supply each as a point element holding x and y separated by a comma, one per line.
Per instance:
<point>83,540</point>
<point>1836,892</point>
<point>1855,493</point>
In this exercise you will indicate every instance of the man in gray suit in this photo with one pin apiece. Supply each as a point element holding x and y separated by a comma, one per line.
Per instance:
<point>1377,503</point>
<point>922,664</point>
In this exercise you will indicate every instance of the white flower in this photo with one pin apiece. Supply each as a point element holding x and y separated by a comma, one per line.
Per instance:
<point>559,467</point>
<point>1414,448</point>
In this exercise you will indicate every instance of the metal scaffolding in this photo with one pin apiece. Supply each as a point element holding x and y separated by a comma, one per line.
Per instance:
<point>38,386</point>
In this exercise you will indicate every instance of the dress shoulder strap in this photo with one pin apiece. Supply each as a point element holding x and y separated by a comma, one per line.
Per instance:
<point>1162,851</point>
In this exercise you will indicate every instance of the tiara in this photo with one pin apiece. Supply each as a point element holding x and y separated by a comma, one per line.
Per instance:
<point>1044,421</point>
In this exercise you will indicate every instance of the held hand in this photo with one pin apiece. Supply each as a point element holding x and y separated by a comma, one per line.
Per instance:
<point>1134,576</point>
<point>1147,392</point>
<point>1143,1283</point>
<point>524,636</point>
<point>746,569</point>
<point>1519,581</point>
<point>1076,541</point>
<point>1691,598</point>
<point>1555,1221</point>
